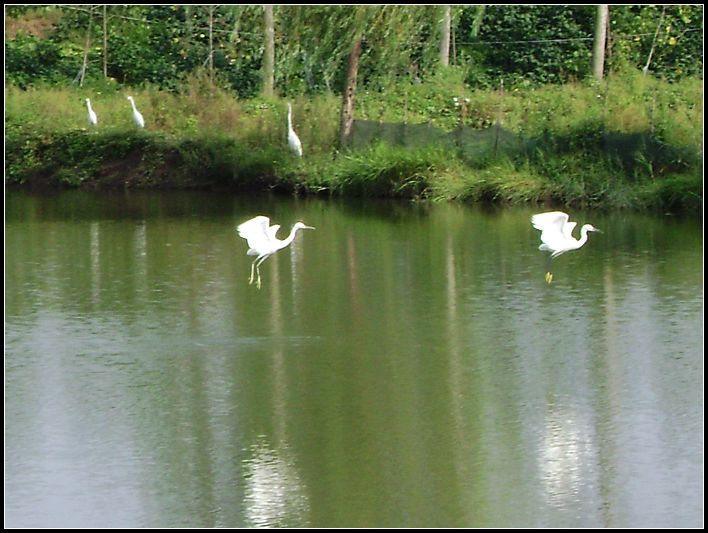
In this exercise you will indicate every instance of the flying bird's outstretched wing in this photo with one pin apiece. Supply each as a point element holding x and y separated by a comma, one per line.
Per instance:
<point>258,233</point>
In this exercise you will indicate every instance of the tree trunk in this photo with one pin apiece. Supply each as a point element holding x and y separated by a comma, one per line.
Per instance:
<point>347,114</point>
<point>105,41</point>
<point>211,45</point>
<point>452,44</point>
<point>445,37</point>
<point>269,53</point>
<point>477,21</point>
<point>598,53</point>
<point>188,20</point>
<point>82,72</point>
<point>653,43</point>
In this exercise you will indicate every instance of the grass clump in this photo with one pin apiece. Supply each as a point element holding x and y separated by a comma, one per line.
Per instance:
<point>383,170</point>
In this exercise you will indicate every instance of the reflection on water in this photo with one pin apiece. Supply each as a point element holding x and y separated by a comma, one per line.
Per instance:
<point>402,366</point>
<point>95,252</point>
<point>274,497</point>
<point>566,449</point>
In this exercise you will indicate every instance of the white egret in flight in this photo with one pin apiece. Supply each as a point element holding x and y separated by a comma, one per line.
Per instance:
<point>557,235</point>
<point>262,241</point>
<point>92,118</point>
<point>293,139</point>
<point>137,116</point>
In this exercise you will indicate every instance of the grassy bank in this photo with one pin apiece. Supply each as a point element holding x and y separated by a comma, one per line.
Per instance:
<point>632,142</point>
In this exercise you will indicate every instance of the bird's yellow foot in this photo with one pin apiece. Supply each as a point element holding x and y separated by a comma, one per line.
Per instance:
<point>549,277</point>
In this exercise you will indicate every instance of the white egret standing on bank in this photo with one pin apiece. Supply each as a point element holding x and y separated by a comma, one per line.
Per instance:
<point>262,241</point>
<point>137,116</point>
<point>293,139</point>
<point>92,118</point>
<point>557,235</point>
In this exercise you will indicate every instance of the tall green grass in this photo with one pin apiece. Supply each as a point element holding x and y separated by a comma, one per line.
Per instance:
<point>258,123</point>
<point>628,103</point>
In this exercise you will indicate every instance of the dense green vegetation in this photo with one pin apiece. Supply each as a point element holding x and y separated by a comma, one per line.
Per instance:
<point>631,140</point>
<point>163,45</point>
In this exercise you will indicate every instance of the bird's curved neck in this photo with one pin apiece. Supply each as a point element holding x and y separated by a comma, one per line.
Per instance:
<point>290,117</point>
<point>132,102</point>
<point>583,236</point>
<point>290,237</point>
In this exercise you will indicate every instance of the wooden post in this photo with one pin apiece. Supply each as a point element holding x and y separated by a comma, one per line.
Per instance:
<point>497,126</point>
